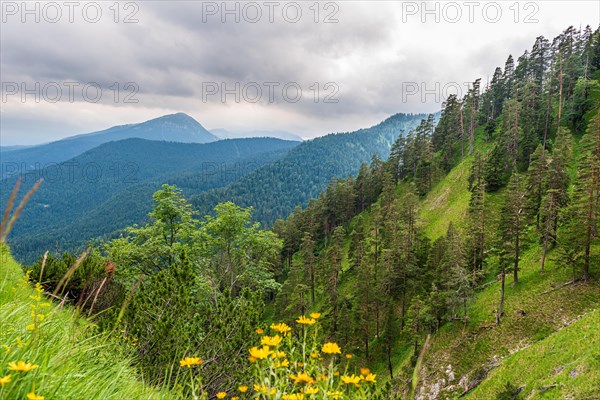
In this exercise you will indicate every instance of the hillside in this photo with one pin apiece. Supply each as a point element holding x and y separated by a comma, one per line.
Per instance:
<point>474,247</point>
<point>117,179</point>
<point>565,364</point>
<point>62,346</point>
<point>274,190</point>
<point>178,127</point>
<point>537,311</point>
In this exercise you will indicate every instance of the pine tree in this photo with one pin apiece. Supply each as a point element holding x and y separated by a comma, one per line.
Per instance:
<point>580,228</point>
<point>512,221</point>
<point>363,285</point>
<point>333,268</point>
<point>535,180</point>
<point>476,215</point>
<point>307,250</point>
<point>460,281</point>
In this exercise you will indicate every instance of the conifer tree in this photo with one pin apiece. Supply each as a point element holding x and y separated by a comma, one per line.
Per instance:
<point>512,221</point>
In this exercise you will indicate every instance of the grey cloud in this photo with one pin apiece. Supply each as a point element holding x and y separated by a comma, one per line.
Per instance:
<point>171,52</point>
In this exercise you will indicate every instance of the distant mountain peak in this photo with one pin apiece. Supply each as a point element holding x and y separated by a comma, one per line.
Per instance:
<point>178,127</point>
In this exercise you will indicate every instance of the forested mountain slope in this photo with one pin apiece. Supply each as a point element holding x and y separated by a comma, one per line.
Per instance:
<point>274,190</point>
<point>110,187</point>
<point>476,239</point>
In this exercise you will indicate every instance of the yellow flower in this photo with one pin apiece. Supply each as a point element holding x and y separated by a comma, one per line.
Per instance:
<point>365,371</point>
<point>311,390</point>
<point>33,396</point>
<point>315,315</point>
<point>370,378</point>
<point>278,354</point>
<point>190,361</point>
<point>281,328</point>
<point>348,356</point>
<point>261,388</point>
<point>293,396</point>
<point>314,355</point>
<point>261,353</point>
<point>352,379</point>
<point>335,395</point>
<point>243,389</point>
<point>331,348</point>
<point>306,321</point>
<point>302,377</point>
<point>221,395</point>
<point>235,398</point>
<point>271,340</point>
<point>4,380</point>
<point>260,331</point>
<point>282,364</point>
<point>21,366</point>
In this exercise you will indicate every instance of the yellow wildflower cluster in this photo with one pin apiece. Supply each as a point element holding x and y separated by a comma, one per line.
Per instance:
<point>292,367</point>
<point>37,308</point>
<point>15,373</point>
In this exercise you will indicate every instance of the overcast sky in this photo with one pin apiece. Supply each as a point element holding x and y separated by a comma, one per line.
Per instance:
<point>305,68</point>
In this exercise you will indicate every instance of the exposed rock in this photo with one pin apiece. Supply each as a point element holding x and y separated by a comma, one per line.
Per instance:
<point>546,388</point>
<point>450,373</point>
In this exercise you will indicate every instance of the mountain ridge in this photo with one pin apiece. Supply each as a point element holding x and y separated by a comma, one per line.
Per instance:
<point>177,127</point>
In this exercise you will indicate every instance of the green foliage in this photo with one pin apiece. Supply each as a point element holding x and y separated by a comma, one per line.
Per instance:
<point>118,179</point>
<point>73,359</point>
<point>509,392</point>
<point>275,190</point>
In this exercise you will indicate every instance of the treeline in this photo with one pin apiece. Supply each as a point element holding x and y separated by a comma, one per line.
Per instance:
<point>526,132</point>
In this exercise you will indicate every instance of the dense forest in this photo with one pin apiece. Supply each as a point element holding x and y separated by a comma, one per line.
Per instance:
<point>274,190</point>
<point>118,179</point>
<point>464,242</point>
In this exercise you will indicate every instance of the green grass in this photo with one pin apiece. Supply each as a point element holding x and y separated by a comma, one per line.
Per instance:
<point>74,362</point>
<point>564,365</point>
<point>547,312</point>
<point>447,201</point>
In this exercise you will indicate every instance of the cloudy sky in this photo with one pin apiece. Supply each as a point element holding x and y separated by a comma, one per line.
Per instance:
<point>305,67</point>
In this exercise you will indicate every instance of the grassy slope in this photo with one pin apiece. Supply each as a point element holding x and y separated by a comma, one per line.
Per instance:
<point>74,363</point>
<point>569,359</point>
<point>547,310</point>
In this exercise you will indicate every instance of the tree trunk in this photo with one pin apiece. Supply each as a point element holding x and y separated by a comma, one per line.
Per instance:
<point>545,250</point>
<point>389,360</point>
<point>500,312</point>
<point>516,262</point>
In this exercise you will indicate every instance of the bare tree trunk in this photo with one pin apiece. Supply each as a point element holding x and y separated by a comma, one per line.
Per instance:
<point>545,250</point>
<point>500,312</point>
<point>516,262</point>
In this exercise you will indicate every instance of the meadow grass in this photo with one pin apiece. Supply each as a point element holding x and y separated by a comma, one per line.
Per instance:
<point>564,365</point>
<point>73,360</point>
